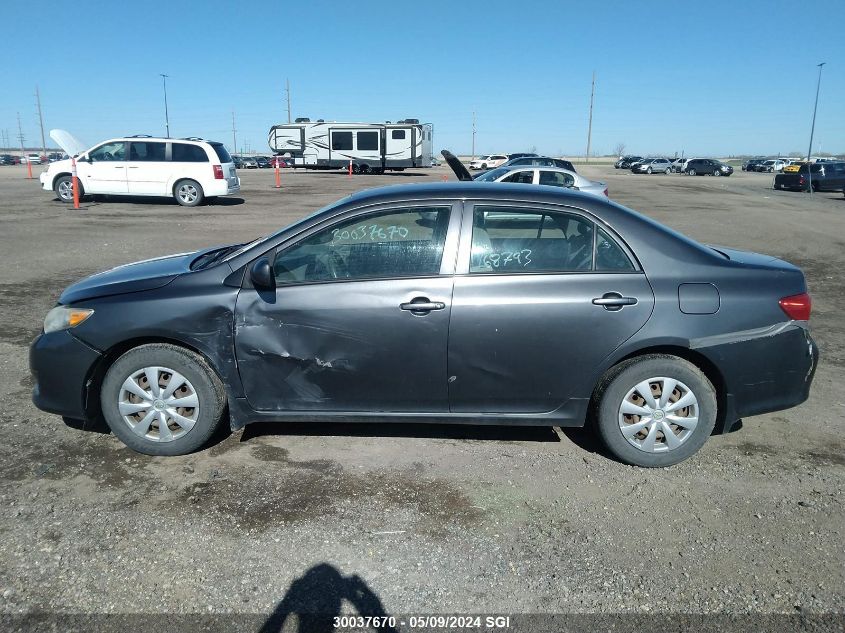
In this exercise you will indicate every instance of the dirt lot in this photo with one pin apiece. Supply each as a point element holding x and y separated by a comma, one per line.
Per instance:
<point>428,518</point>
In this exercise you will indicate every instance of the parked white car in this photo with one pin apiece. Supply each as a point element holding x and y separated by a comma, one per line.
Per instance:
<point>773,165</point>
<point>190,169</point>
<point>488,162</point>
<point>551,176</point>
<point>35,159</point>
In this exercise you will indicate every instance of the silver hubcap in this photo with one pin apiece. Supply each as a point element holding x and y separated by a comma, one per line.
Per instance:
<point>158,404</point>
<point>658,414</point>
<point>65,190</point>
<point>188,193</point>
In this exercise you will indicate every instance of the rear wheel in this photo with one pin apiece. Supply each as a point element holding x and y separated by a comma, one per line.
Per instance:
<point>668,171</point>
<point>161,399</point>
<point>655,410</point>
<point>188,193</point>
<point>691,172</point>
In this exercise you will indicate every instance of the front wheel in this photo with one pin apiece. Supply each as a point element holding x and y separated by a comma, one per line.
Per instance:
<point>655,410</point>
<point>162,399</point>
<point>716,172</point>
<point>691,172</point>
<point>648,171</point>
<point>188,193</point>
<point>668,171</point>
<point>64,188</point>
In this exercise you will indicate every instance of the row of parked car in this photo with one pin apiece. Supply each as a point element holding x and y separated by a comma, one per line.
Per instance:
<point>521,159</point>
<point>261,162</point>
<point>689,166</point>
<point>35,159</point>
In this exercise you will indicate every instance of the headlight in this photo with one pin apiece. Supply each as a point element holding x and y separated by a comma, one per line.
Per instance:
<point>64,317</point>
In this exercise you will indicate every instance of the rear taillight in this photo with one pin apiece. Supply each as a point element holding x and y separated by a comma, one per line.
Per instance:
<point>797,307</point>
<point>606,195</point>
<point>801,180</point>
<point>218,172</point>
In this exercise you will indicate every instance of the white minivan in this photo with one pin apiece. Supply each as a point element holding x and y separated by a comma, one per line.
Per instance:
<point>189,169</point>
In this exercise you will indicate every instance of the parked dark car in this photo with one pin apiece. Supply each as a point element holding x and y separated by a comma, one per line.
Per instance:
<point>550,307</point>
<point>238,161</point>
<point>628,161</point>
<point>8,159</point>
<point>751,164</point>
<point>263,162</point>
<point>519,155</point>
<point>707,167</point>
<point>539,161</point>
<point>824,177</point>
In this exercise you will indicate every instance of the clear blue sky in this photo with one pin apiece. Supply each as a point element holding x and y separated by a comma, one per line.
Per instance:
<point>707,78</point>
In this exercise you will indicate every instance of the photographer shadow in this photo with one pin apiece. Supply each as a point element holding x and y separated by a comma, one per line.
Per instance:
<point>313,601</point>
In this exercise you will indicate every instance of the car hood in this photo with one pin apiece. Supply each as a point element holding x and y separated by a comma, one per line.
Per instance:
<point>144,275</point>
<point>68,142</point>
<point>456,165</point>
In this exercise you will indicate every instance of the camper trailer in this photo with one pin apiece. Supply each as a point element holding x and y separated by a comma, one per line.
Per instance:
<point>371,147</point>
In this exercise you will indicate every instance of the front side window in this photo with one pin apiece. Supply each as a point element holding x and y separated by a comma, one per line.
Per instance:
<point>405,242</point>
<point>109,151</point>
<point>556,178</point>
<point>342,141</point>
<point>522,177</point>
<point>514,240</point>
<point>368,140</point>
<point>146,151</point>
<point>185,153</point>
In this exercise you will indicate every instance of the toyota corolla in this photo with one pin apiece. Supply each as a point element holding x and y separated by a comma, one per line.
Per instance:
<point>478,303</point>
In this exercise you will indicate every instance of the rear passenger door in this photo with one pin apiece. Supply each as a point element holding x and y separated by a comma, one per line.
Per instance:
<point>541,297</point>
<point>146,170</point>
<point>187,160</point>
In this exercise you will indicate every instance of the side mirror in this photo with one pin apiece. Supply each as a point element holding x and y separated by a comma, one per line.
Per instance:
<point>262,275</point>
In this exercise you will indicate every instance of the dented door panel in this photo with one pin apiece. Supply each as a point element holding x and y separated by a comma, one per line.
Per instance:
<point>344,346</point>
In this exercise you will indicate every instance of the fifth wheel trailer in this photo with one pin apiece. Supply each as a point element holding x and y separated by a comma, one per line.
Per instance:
<point>372,147</point>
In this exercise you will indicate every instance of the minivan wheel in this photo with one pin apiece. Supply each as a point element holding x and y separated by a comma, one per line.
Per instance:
<point>717,172</point>
<point>691,172</point>
<point>161,399</point>
<point>64,189</point>
<point>188,193</point>
<point>655,410</point>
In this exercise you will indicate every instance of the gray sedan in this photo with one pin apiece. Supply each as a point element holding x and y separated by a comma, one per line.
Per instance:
<point>552,176</point>
<point>653,165</point>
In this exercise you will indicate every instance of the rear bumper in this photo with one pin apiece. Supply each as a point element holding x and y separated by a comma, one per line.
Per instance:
<point>60,365</point>
<point>765,372</point>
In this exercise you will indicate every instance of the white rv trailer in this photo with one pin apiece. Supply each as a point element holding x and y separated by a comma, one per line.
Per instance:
<point>372,147</point>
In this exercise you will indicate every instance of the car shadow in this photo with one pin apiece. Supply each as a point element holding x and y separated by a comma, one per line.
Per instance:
<point>409,430</point>
<point>314,600</point>
<point>388,174</point>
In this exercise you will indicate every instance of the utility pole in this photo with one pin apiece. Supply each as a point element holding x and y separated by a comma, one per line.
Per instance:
<point>21,136</point>
<point>473,135</point>
<point>287,92</point>
<point>166,115</point>
<point>590,124</point>
<point>41,120</point>
<point>234,138</point>
<point>813,130</point>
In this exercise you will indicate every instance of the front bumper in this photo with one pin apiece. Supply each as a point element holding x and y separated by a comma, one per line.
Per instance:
<point>46,181</point>
<point>61,365</point>
<point>765,372</point>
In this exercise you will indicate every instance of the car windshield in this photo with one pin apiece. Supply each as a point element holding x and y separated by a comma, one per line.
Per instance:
<point>492,175</point>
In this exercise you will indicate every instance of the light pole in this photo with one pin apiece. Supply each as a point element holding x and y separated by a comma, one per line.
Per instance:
<point>166,116</point>
<point>813,130</point>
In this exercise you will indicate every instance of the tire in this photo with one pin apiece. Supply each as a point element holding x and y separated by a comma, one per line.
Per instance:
<point>355,168</point>
<point>365,169</point>
<point>484,166</point>
<point>188,193</point>
<point>619,388</point>
<point>668,171</point>
<point>691,172</point>
<point>648,171</point>
<point>717,173</point>
<point>63,188</point>
<point>200,384</point>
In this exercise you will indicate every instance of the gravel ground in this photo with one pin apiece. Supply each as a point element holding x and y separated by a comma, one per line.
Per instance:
<point>410,518</point>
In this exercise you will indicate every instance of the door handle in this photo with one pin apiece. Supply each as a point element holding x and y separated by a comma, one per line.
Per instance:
<point>614,301</point>
<point>421,305</point>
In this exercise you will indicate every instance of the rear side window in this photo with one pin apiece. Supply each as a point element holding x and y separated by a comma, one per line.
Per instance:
<point>222,153</point>
<point>522,177</point>
<point>513,240</point>
<point>556,178</point>
<point>397,135</point>
<point>609,255</point>
<point>185,153</point>
<point>147,151</point>
<point>368,140</point>
<point>405,242</point>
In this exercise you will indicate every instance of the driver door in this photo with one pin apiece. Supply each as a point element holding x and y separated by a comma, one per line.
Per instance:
<point>359,318</point>
<point>104,171</point>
